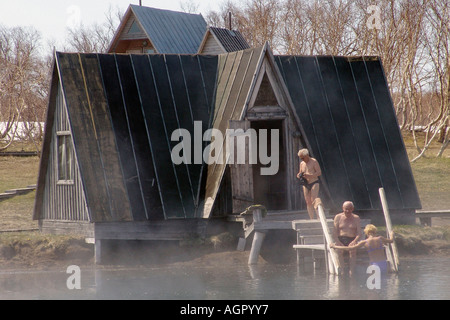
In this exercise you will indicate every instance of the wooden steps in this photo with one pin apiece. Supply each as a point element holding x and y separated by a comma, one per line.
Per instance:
<point>310,236</point>
<point>310,233</point>
<point>309,246</point>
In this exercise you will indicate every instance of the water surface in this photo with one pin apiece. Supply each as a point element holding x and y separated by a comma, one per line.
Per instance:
<point>424,278</point>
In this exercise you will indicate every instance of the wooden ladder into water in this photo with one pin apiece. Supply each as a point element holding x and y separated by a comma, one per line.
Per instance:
<point>311,236</point>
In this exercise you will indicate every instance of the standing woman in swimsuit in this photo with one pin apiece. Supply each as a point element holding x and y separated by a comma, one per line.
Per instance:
<point>311,172</point>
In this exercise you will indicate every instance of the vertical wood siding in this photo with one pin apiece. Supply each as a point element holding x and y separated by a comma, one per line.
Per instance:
<point>63,201</point>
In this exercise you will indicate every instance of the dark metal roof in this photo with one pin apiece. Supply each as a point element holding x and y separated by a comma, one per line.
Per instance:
<point>345,108</point>
<point>231,40</point>
<point>123,110</point>
<point>171,31</point>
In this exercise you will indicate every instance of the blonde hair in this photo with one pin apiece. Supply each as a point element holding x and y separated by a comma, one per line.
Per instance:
<point>370,229</point>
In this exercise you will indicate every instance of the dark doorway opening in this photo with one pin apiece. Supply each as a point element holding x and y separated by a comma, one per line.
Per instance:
<point>270,190</point>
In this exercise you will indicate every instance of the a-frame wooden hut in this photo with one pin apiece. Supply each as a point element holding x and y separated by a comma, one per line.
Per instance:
<point>108,170</point>
<point>107,149</point>
<point>151,30</point>
<point>221,40</point>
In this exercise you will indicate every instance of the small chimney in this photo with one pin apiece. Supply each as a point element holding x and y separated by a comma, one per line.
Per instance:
<point>140,3</point>
<point>229,20</point>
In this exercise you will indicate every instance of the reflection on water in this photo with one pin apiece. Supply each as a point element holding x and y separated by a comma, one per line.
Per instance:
<point>418,279</point>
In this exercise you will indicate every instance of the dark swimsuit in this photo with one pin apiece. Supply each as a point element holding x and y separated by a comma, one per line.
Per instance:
<point>310,185</point>
<point>346,240</point>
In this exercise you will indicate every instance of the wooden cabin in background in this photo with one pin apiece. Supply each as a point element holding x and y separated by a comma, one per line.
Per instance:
<point>221,40</point>
<point>151,30</point>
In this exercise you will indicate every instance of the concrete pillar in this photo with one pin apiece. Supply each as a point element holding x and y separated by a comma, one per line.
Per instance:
<point>98,251</point>
<point>258,239</point>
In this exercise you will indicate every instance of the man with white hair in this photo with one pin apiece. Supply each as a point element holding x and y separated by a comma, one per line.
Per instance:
<point>347,231</point>
<point>309,170</point>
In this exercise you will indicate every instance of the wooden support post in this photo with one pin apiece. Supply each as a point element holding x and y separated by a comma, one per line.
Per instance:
<point>299,256</point>
<point>258,239</point>
<point>241,244</point>
<point>98,251</point>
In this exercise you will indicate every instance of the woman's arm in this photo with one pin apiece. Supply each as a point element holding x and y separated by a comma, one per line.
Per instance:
<point>359,245</point>
<point>390,240</point>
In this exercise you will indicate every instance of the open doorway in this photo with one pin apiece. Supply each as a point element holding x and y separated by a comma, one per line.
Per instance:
<point>271,190</point>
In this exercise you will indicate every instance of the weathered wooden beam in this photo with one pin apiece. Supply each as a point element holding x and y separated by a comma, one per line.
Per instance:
<point>83,228</point>
<point>176,229</point>
<point>309,246</point>
<point>332,254</point>
<point>266,225</point>
<point>392,248</point>
<point>426,215</point>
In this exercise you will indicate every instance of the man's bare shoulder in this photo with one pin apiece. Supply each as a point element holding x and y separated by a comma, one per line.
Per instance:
<point>338,216</point>
<point>355,216</point>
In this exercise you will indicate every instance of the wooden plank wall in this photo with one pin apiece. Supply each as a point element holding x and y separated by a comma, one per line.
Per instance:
<point>62,201</point>
<point>236,73</point>
<point>212,46</point>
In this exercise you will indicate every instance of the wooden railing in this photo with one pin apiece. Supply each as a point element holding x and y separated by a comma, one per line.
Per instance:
<point>334,266</point>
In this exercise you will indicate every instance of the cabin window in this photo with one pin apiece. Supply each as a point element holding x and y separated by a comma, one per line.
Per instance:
<point>65,157</point>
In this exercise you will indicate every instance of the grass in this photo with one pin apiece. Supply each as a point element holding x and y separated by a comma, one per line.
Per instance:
<point>17,172</point>
<point>424,233</point>
<point>432,178</point>
<point>17,213</point>
<point>431,151</point>
<point>13,238</point>
<point>19,146</point>
<point>430,173</point>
